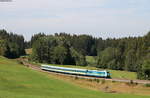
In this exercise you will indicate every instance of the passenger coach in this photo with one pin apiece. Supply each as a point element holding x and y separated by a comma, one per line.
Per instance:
<point>75,71</point>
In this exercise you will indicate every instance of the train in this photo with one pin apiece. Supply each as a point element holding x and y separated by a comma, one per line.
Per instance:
<point>77,71</point>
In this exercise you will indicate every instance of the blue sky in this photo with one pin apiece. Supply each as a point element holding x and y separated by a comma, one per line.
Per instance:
<point>100,18</point>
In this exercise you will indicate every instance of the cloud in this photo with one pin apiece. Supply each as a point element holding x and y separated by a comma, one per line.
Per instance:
<point>113,18</point>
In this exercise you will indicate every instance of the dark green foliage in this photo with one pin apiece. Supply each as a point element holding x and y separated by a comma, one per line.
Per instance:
<point>35,38</point>
<point>84,43</point>
<point>110,58</point>
<point>56,50</point>
<point>3,47</point>
<point>42,49</point>
<point>11,45</point>
<point>147,85</point>
<point>144,72</point>
<point>131,54</point>
<point>130,60</point>
<point>78,57</point>
<point>59,54</point>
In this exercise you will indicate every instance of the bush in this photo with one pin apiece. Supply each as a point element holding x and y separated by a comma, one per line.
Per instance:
<point>113,81</point>
<point>147,85</point>
<point>132,83</point>
<point>97,80</point>
<point>19,62</point>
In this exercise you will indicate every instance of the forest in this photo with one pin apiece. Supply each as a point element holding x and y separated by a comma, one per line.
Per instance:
<point>11,45</point>
<point>130,53</point>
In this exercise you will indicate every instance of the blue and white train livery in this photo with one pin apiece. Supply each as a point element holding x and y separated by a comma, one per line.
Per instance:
<point>76,71</point>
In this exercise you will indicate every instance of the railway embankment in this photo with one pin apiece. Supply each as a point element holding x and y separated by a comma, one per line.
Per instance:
<point>35,67</point>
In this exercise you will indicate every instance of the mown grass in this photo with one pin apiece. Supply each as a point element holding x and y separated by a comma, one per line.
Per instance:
<point>17,81</point>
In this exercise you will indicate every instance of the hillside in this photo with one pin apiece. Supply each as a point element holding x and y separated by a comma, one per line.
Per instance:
<point>18,81</point>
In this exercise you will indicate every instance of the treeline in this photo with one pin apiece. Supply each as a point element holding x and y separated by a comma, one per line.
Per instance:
<point>84,44</point>
<point>55,50</point>
<point>131,54</point>
<point>11,45</point>
<point>124,54</point>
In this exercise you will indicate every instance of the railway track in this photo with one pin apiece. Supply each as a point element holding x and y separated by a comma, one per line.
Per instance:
<point>35,67</point>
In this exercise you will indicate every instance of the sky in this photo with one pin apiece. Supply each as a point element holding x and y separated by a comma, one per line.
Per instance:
<point>99,18</point>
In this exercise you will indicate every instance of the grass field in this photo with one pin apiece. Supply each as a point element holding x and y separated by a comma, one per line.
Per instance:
<point>17,81</point>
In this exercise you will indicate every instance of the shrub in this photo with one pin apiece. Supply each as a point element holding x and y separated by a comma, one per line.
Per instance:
<point>132,83</point>
<point>97,80</point>
<point>20,62</point>
<point>147,85</point>
<point>76,78</point>
<point>113,81</point>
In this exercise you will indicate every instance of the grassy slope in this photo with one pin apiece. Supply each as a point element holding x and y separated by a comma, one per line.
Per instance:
<point>16,81</point>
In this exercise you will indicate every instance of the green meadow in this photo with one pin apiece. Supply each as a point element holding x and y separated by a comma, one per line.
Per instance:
<point>17,81</point>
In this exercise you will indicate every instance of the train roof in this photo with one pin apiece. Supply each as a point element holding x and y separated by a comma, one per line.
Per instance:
<point>62,67</point>
<point>71,68</point>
